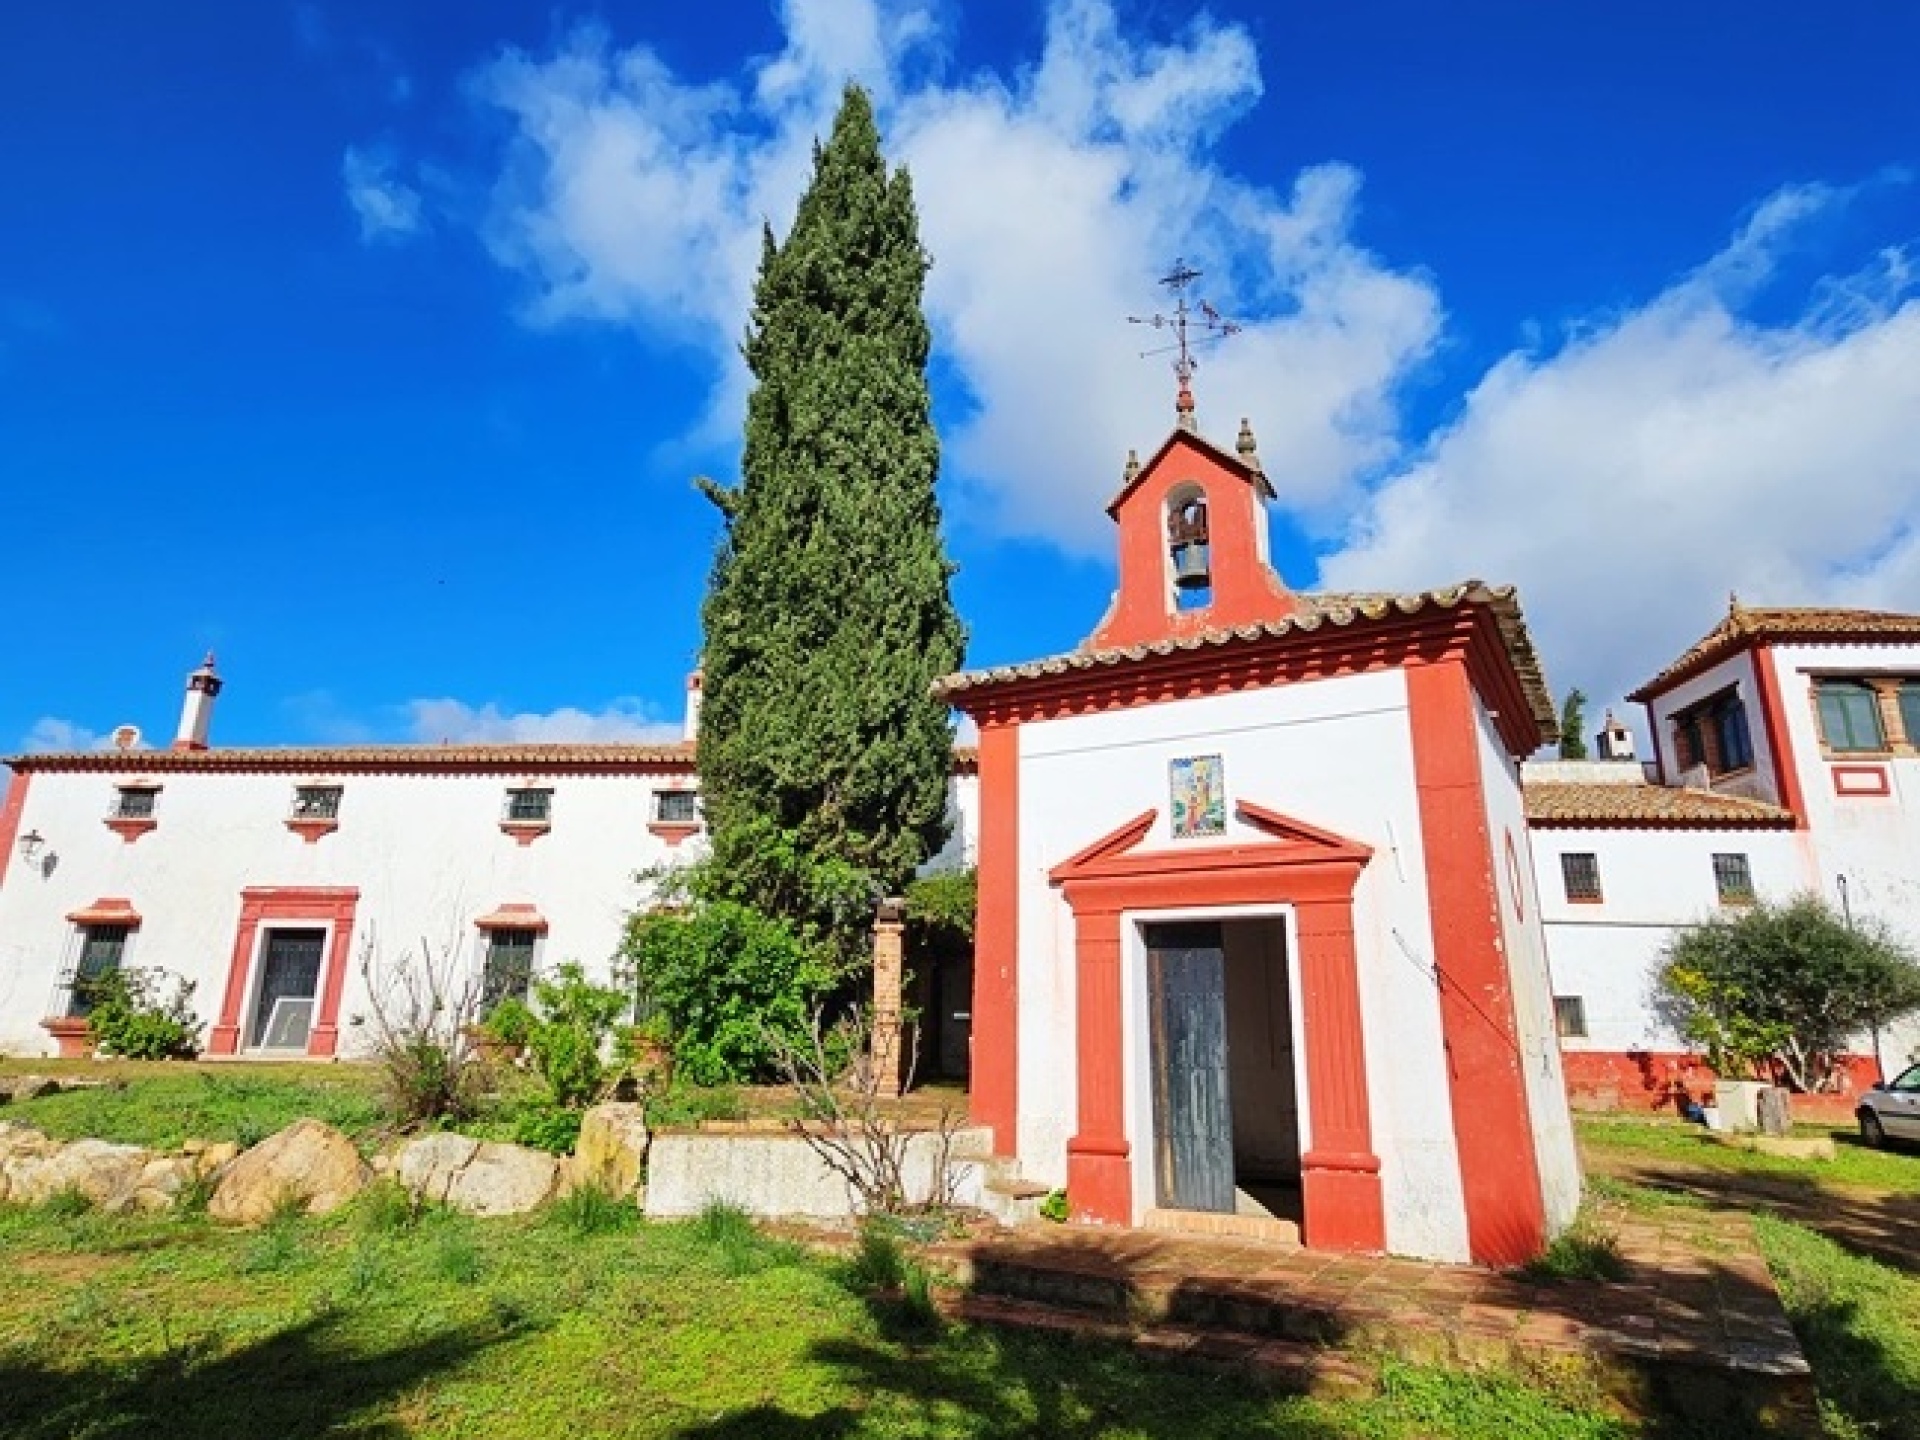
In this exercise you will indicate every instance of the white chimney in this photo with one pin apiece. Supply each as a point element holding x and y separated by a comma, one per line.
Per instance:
<point>196,715</point>
<point>692,725</point>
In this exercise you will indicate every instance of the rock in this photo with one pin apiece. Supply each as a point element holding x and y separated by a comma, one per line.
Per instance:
<point>308,1159</point>
<point>27,1087</point>
<point>161,1181</point>
<point>213,1156</point>
<point>503,1180</point>
<point>107,1174</point>
<point>428,1164</point>
<point>612,1150</point>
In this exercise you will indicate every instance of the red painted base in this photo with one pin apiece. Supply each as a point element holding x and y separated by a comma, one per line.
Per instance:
<point>1342,1208</point>
<point>73,1039</point>
<point>1100,1182</point>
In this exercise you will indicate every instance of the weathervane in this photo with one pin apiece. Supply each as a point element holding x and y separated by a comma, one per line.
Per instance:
<point>1192,325</point>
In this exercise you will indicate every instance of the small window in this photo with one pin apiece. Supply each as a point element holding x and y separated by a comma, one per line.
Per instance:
<point>1714,733</point>
<point>1582,875</point>
<point>102,949</point>
<point>316,802</point>
<point>530,806</point>
<point>1733,879</point>
<point>676,807</point>
<point>134,802</point>
<point>508,973</point>
<point>1850,716</point>
<point>1570,1017</point>
<point>1910,711</point>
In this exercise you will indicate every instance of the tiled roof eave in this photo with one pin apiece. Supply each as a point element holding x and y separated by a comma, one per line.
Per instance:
<point>1659,822</point>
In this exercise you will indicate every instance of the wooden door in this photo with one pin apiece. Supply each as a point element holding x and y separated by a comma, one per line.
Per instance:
<point>1192,1111</point>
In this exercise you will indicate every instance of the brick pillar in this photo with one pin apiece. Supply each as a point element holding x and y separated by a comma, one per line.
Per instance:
<point>889,929</point>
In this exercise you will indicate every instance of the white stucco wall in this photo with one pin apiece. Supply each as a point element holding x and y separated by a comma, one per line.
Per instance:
<point>1652,883</point>
<point>1761,783</point>
<point>1334,753</point>
<point>1524,945</point>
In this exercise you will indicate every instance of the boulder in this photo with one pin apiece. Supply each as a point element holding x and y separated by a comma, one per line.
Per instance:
<point>309,1160</point>
<point>161,1181</point>
<point>212,1156</point>
<point>107,1174</point>
<point>503,1180</point>
<point>428,1164</point>
<point>26,1087</point>
<point>612,1150</point>
<point>23,1151</point>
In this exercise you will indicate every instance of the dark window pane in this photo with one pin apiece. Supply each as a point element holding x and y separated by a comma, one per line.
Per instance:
<point>509,969</point>
<point>1582,876</point>
<point>102,948</point>
<point>529,804</point>
<point>1570,1017</point>
<point>1736,742</point>
<point>316,802</point>
<point>135,805</point>
<point>1850,716</point>
<point>1910,710</point>
<point>675,807</point>
<point>1732,879</point>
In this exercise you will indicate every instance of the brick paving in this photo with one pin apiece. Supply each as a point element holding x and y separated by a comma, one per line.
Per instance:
<point>1694,1325</point>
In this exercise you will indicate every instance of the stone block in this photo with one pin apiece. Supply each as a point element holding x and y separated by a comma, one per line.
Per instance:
<point>308,1160</point>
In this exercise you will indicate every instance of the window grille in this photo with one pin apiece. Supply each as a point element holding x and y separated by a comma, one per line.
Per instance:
<point>531,806</point>
<point>676,807</point>
<point>134,802</point>
<point>316,802</point>
<point>508,972</point>
<point>1581,872</point>
<point>102,950</point>
<point>1733,879</point>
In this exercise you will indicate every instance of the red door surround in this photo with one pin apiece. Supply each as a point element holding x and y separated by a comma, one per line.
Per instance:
<point>1314,872</point>
<point>262,905</point>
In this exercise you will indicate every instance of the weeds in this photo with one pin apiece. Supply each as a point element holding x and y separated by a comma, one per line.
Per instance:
<point>879,1263</point>
<point>68,1204</point>
<point>592,1210</point>
<point>686,1107</point>
<point>456,1257</point>
<point>387,1206</point>
<point>729,1232</point>
<point>277,1247</point>
<point>1585,1252</point>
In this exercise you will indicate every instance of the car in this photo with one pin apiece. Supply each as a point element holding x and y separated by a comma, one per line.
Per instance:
<point>1891,1109</point>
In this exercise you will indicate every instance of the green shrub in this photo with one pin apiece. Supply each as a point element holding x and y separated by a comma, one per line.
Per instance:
<point>137,1015</point>
<point>386,1206</point>
<point>1054,1207</point>
<point>728,980</point>
<point>549,1127</point>
<point>682,1107</point>
<point>1583,1253</point>
<point>567,1032</point>
<point>879,1263</point>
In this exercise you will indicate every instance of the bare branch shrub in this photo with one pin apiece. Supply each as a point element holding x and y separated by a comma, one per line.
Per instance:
<point>424,1005</point>
<point>846,1118</point>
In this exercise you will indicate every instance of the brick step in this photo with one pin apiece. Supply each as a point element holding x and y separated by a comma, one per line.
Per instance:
<point>1290,1366</point>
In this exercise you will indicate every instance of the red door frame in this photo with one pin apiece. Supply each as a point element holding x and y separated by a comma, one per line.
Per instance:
<point>1315,872</point>
<point>277,905</point>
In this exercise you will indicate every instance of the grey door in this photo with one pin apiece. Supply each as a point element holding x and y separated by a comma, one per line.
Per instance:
<point>954,982</point>
<point>1192,1115</point>
<point>289,981</point>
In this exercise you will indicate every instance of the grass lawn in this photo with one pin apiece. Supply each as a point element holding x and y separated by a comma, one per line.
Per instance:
<point>1842,1238</point>
<point>376,1323</point>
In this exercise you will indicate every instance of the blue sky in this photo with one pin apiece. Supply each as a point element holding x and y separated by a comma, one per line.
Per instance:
<point>374,346</point>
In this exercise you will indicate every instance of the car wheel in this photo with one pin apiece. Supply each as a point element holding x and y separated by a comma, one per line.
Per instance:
<point>1871,1130</point>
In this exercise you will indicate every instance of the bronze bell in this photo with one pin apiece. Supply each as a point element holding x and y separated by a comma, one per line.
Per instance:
<point>1190,570</point>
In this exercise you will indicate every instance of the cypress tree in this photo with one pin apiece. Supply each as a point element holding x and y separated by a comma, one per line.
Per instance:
<point>828,615</point>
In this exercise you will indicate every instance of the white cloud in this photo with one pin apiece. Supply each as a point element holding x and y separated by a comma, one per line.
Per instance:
<point>1048,200</point>
<point>1658,459</point>
<point>456,722</point>
<point>387,207</point>
<point>51,735</point>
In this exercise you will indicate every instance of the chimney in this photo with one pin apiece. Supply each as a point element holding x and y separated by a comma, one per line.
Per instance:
<point>692,726</point>
<point>196,715</point>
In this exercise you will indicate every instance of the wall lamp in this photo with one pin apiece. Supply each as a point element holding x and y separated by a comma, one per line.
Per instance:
<point>33,845</point>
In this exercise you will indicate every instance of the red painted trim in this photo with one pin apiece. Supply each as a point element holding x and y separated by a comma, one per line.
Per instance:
<point>259,906</point>
<point>312,830</point>
<point>11,813</point>
<point>1244,589</point>
<point>1774,716</point>
<point>107,910</point>
<point>1493,1130</point>
<point>525,831</point>
<point>131,830</point>
<point>513,917</point>
<point>1881,782</point>
<point>1309,868</point>
<point>994,1086</point>
<point>674,831</point>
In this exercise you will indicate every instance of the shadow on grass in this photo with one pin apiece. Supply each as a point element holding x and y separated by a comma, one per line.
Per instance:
<point>300,1383</point>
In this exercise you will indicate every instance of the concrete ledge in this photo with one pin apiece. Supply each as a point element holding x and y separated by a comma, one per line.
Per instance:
<point>780,1175</point>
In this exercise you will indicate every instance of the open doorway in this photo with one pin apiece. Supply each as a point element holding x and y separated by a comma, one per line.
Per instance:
<point>1226,1114</point>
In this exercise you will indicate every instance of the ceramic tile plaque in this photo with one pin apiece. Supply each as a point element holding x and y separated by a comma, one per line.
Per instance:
<point>1199,786</point>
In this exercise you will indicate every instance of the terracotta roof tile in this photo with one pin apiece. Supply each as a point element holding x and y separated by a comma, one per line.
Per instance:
<point>1342,610</point>
<point>1745,624</point>
<point>1565,804</point>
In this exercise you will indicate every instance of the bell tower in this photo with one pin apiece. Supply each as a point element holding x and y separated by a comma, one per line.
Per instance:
<point>1193,533</point>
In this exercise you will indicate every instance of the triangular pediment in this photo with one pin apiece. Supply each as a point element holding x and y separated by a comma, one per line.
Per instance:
<point>1177,437</point>
<point>1285,842</point>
